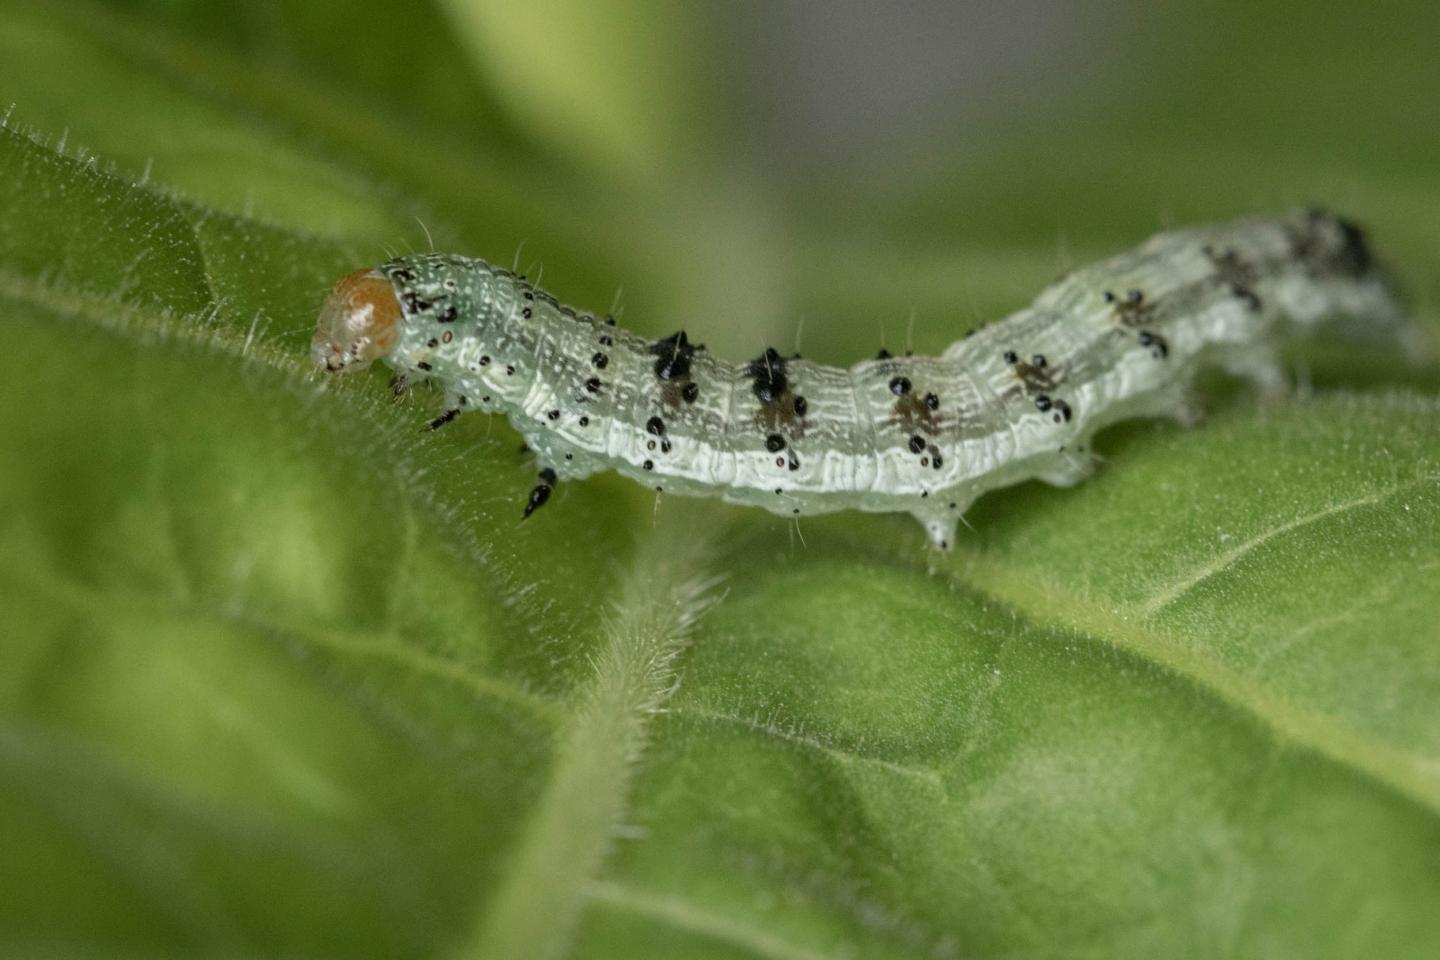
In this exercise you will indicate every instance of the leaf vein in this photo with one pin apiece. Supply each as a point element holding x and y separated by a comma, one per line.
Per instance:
<point>1179,586</point>
<point>683,915</point>
<point>792,738</point>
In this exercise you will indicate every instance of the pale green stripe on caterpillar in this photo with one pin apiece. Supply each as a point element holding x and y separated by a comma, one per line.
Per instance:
<point>1017,399</point>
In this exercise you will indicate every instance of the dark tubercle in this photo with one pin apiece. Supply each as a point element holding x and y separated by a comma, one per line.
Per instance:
<point>1236,274</point>
<point>1351,258</point>
<point>1158,346</point>
<point>1133,310</point>
<point>1037,376</point>
<point>914,410</point>
<point>1354,257</point>
<point>672,356</point>
<point>768,373</point>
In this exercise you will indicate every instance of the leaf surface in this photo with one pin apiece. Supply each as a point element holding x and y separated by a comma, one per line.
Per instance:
<point>282,672</point>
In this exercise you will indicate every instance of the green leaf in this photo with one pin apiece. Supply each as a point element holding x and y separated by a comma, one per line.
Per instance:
<point>281,672</point>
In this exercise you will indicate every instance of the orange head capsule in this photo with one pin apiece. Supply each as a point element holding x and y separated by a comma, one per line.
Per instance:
<point>359,323</point>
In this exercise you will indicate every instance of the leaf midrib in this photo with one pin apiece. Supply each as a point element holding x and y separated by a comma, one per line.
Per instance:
<point>568,833</point>
<point>1179,586</point>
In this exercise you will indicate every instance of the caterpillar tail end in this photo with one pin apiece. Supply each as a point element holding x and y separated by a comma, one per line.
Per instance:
<point>1369,301</point>
<point>359,323</point>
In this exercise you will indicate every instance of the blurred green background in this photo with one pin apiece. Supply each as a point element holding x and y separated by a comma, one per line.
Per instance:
<point>281,674</point>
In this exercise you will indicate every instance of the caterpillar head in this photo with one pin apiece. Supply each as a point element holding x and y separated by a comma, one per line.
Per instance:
<point>359,323</point>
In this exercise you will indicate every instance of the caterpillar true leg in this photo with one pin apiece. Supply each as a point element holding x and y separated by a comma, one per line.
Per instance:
<point>540,494</point>
<point>444,418</point>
